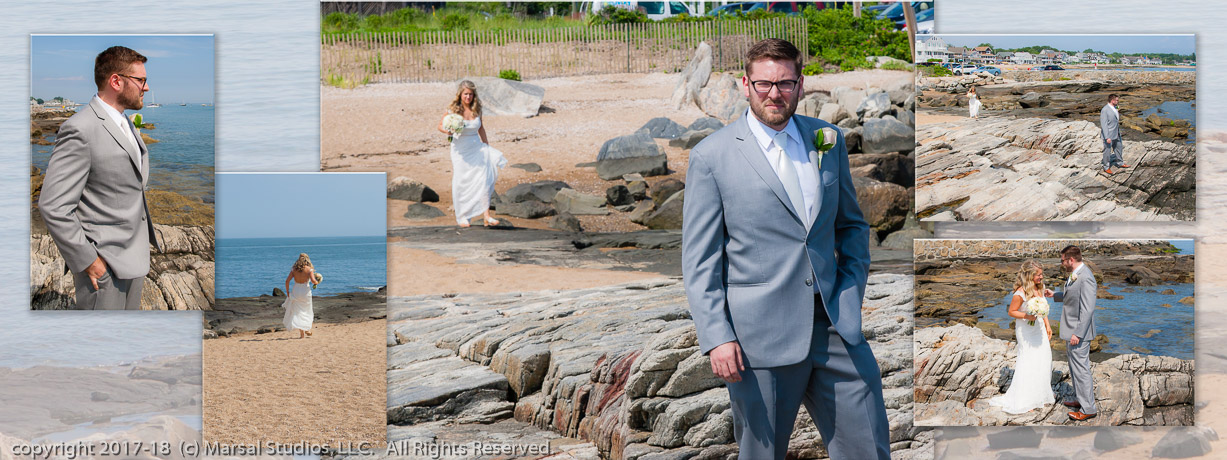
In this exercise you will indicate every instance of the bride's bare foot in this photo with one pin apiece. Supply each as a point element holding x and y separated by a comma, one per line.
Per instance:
<point>464,225</point>
<point>308,333</point>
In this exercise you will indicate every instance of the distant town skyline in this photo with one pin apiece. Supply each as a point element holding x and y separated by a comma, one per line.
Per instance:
<point>1124,44</point>
<point>180,67</point>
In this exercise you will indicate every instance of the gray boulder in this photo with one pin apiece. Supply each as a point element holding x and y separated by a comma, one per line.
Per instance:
<point>723,99</point>
<point>665,189</point>
<point>530,209</point>
<point>693,77</point>
<point>618,195</point>
<point>1185,442</point>
<point>874,106</point>
<point>1033,100</point>
<point>887,135</point>
<point>667,216</point>
<point>542,191</point>
<point>422,211</point>
<point>848,98</point>
<point>566,222</point>
<point>575,203</point>
<point>508,97</point>
<point>691,138</point>
<point>647,166</point>
<point>635,145</point>
<point>530,167</point>
<point>832,113</point>
<point>705,123</point>
<point>662,128</point>
<point>403,188</point>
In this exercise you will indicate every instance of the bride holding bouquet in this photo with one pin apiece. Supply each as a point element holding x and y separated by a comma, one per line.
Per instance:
<point>475,164</point>
<point>1031,387</point>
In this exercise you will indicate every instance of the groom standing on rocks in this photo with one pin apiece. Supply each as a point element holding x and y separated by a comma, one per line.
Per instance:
<point>775,258</point>
<point>1078,327</point>
<point>1109,128</point>
<point>93,197</point>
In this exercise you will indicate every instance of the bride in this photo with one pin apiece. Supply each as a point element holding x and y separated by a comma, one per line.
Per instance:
<point>299,313</point>
<point>1031,387</point>
<point>474,163</point>
<point>973,102</point>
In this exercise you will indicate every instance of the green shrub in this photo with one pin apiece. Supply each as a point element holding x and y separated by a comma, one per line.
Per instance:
<point>509,74</point>
<point>613,15</point>
<point>935,71</point>
<point>814,68</point>
<point>895,65</point>
<point>454,21</point>
<point>839,38</point>
<point>340,81</point>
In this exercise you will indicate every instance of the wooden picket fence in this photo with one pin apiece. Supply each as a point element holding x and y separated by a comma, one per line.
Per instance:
<point>392,57</point>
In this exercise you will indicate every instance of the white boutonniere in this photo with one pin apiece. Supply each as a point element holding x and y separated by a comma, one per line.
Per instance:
<point>821,144</point>
<point>1073,277</point>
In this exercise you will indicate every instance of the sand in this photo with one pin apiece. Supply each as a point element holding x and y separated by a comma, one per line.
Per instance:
<point>327,389</point>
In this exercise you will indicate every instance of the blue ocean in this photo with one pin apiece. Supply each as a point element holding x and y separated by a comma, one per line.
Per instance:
<point>249,267</point>
<point>1127,322</point>
<point>182,160</point>
<point>95,338</point>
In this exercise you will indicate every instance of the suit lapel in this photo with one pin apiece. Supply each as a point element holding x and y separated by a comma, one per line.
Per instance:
<point>807,142</point>
<point>748,146</point>
<point>118,136</point>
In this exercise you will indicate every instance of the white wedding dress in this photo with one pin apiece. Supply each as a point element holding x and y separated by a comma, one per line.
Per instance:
<point>475,168</point>
<point>298,311</point>
<point>1031,387</point>
<point>973,105</point>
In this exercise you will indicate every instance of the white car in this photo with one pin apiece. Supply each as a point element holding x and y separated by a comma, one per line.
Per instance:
<point>655,10</point>
<point>966,69</point>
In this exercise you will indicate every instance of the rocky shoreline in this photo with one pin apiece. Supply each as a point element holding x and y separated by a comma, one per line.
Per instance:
<point>615,367</point>
<point>263,314</point>
<point>958,368</point>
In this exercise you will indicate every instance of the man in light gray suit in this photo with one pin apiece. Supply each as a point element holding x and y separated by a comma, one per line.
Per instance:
<point>1109,128</point>
<point>93,196</point>
<point>775,259</point>
<point>1078,327</point>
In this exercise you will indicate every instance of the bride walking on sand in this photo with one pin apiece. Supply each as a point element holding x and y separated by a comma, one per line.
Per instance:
<point>299,313</point>
<point>475,164</point>
<point>1031,387</point>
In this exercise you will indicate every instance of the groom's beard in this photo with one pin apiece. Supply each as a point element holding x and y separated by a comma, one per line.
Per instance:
<point>788,106</point>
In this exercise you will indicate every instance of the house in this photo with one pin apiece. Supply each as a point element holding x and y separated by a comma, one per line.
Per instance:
<point>1005,56</point>
<point>983,55</point>
<point>956,54</point>
<point>932,48</point>
<point>1024,58</point>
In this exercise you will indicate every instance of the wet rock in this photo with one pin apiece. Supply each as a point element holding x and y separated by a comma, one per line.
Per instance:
<point>403,188</point>
<point>1187,300</point>
<point>1142,276</point>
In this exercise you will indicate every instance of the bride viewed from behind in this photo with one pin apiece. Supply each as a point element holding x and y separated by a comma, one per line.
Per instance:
<point>1031,387</point>
<point>299,313</point>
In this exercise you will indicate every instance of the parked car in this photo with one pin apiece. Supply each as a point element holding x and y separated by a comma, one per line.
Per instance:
<point>655,10</point>
<point>965,69</point>
<point>921,16</point>
<point>788,8</point>
<point>731,8</point>
<point>990,69</point>
<point>1052,67</point>
<point>895,11</point>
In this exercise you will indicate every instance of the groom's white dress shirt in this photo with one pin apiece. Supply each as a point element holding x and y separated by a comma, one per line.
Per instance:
<point>795,150</point>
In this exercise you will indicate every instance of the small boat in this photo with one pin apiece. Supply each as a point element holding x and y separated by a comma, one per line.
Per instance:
<point>152,102</point>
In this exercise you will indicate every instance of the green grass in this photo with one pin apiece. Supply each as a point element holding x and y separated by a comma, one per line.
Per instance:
<point>340,81</point>
<point>509,74</point>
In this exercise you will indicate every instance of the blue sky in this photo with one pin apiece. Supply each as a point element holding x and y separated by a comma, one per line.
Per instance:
<point>1126,44</point>
<point>295,205</point>
<point>180,67</point>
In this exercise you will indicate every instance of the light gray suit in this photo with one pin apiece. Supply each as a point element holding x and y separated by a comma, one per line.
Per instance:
<point>788,291</point>
<point>1109,128</point>
<point>93,201</point>
<point>1078,319</point>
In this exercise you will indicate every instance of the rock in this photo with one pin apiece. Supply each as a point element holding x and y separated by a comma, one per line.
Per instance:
<point>662,128</point>
<point>893,167</point>
<point>848,98</point>
<point>832,113</point>
<point>269,328</point>
<point>693,77</point>
<point>852,139</point>
<point>1165,291</point>
<point>907,117</point>
<point>1187,300</point>
<point>691,138</point>
<point>668,216</point>
<point>530,167</point>
<point>508,97</point>
<point>277,292</point>
<point>575,203</point>
<point>665,189</point>
<point>403,188</point>
<point>681,415</point>
<point>1110,439</point>
<point>874,106</point>
<point>705,123</point>
<point>638,189</point>
<point>884,205</point>
<point>639,144</point>
<point>422,211</point>
<point>886,135</point>
<point>1142,276</point>
<point>618,195</point>
<point>1017,438</point>
<point>903,239</point>
<point>566,222</point>
<point>693,375</point>
<point>647,166</point>
<point>1185,442</point>
<point>1033,100</point>
<point>643,209</point>
<point>543,191</point>
<point>722,98</point>
<point>530,209</point>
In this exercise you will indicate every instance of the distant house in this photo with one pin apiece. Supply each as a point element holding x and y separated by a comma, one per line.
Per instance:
<point>984,55</point>
<point>1091,58</point>
<point>1005,56</point>
<point>956,54</point>
<point>1024,58</point>
<point>932,48</point>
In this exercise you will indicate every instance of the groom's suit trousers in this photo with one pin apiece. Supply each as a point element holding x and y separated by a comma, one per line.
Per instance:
<point>854,424</point>
<point>1080,375</point>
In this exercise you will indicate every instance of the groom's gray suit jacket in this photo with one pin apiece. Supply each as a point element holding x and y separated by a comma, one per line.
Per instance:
<point>1109,123</point>
<point>93,196</point>
<point>750,261</point>
<point>1078,305</point>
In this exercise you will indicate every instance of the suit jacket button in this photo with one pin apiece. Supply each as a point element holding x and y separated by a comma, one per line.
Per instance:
<point>809,282</point>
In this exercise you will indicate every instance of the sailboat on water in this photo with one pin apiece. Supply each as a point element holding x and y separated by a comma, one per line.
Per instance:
<point>152,102</point>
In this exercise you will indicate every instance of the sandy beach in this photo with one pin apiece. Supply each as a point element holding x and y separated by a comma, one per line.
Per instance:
<point>327,389</point>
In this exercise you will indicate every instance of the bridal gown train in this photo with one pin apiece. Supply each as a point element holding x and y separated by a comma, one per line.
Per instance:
<point>1031,387</point>
<point>298,311</point>
<point>475,168</point>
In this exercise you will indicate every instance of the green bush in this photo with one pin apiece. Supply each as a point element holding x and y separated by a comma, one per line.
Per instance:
<point>509,74</point>
<point>613,15</point>
<point>895,65</point>
<point>814,68</point>
<point>454,21</point>
<point>837,37</point>
<point>935,71</point>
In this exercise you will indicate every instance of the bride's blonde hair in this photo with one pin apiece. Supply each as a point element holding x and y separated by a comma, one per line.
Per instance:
<point>302,262</point>
<point>1024,279</point>
<point>457,106</point>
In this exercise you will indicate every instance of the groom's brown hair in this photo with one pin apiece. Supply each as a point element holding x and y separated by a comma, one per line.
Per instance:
<point>1072,252</point>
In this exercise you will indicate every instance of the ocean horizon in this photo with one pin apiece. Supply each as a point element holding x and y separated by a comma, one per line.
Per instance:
<point>250,267</point>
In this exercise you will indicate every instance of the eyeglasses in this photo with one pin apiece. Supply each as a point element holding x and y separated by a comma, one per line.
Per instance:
<point>143,80</point>
<point>764,86</point>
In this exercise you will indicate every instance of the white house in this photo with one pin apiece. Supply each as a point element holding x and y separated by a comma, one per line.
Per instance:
<point>932,48</point>
<point>1023,57</point>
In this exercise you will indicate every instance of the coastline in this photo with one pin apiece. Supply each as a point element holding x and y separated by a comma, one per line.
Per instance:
<point>263,314</point>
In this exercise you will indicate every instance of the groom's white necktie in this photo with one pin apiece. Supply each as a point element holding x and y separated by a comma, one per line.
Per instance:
<point>788,175</point>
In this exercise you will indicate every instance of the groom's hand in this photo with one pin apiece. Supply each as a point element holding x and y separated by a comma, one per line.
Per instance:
<point>1073,340</point>
<point>95,271</point>
<point>1048,293</point>
<point>726,362</point>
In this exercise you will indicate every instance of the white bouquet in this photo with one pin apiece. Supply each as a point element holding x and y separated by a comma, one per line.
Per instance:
<point>316,280</point>
<point>453,123</point>
<point>1038,307</point>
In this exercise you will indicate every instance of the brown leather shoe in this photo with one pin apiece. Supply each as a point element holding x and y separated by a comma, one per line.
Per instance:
<point>1122,166</point>
<point>1108,171</point>
<point>1073,404</point>
<point>1079,416</point>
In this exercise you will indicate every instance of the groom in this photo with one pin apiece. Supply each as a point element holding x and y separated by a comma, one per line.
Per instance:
<point>93,197</point>
<point>1109,128</point>
<point>1078,327</point>
<point>775,259</point>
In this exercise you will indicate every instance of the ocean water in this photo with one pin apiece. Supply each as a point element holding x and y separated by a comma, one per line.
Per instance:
<point>182,160</point>
<point>248,267</point>
<point>95,338</point>
<point>1127,320</point>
